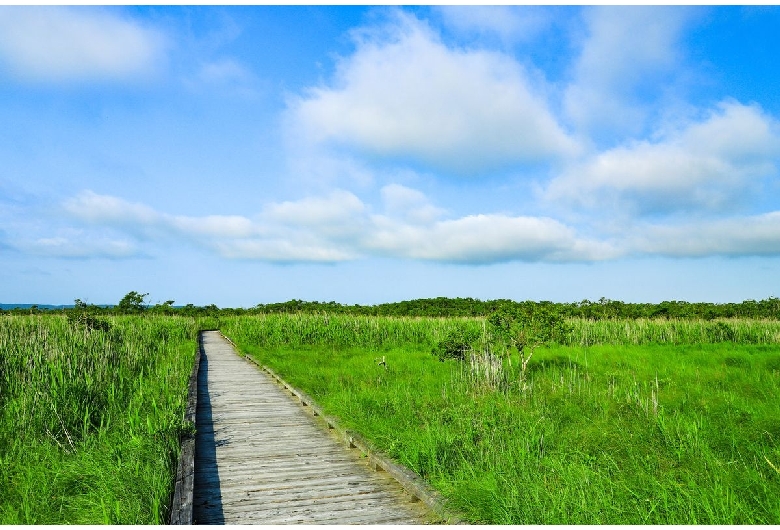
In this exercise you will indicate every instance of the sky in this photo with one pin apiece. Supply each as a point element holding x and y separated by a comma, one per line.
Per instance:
<point>255,154</point>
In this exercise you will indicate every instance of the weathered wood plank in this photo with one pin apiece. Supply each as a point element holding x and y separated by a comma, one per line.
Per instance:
<point>282,472</point>
<point>308,484</point>
<point>261,459</point>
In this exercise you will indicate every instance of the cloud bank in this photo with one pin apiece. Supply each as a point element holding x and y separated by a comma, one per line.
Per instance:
<point>340,227</point>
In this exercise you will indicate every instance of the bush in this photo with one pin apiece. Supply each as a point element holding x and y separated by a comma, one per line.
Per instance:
<point>82,315</point>
<point>456,344</point>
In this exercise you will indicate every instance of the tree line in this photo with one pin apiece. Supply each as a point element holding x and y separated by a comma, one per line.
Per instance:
<point>603,309</point>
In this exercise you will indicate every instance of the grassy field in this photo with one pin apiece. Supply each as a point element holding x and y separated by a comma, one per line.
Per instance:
<point>623,421</point>
<point>631,422</point>
<point>90,417</point>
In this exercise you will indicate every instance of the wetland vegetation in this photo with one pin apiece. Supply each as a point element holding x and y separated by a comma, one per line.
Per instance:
<point>522,413</point>
<point>90,417</point>
<point>617,422</point>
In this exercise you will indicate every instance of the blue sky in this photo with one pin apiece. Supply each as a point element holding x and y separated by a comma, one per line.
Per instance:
<point>244,155</point>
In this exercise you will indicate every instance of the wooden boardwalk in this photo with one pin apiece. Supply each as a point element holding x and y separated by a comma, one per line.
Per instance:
<point>260,459</point>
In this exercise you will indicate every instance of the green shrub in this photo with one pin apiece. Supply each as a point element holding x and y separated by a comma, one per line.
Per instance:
<point>456,344</point>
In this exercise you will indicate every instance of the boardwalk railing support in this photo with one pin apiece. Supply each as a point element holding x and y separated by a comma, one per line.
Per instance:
<point>181,506</point>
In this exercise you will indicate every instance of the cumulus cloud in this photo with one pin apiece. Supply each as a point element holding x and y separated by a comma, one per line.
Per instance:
<point>323,235</point>
<point>94,207</point>
<point>106,210</point>
<point>306,230</point>
<point>627,48</point>
<point>705,165</point>
<point>59,44</point>
<point>404,94</point>
<point>338,207</point>
<point>340,227</point>
<point>338,216</point>
<point>482,239</point>
<point>409,204</point>
<point>757,235</point>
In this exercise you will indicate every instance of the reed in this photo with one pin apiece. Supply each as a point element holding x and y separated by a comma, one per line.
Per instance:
<point>669,422</point>
<point>375,333</point>
<point>641,331</point>
<point>90,418</point>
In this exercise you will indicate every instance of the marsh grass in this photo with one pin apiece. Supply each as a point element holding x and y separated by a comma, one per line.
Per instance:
<point>675,432</point>
<point>373,333</point>
<point>673,331</point>
<point>90,417</point>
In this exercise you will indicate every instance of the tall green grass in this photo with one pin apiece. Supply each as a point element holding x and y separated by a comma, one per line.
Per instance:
<point>675,331</point>
<point>90,418</point>
<point>374,333</point>
<point>387,332</point>
<point>669,425</point>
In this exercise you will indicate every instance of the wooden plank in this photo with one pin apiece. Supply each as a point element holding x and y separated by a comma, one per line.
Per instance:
<point>355,483</point>
<point>262,459</point>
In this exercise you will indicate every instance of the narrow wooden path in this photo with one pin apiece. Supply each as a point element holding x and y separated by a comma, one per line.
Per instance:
<point>260,459</point>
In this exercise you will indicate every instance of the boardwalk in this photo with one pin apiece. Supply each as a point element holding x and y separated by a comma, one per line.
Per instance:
<point>260,459</point>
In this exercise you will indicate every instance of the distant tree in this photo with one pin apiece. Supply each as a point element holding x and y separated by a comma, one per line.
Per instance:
<point>164,308</point>
<point>133,302</point>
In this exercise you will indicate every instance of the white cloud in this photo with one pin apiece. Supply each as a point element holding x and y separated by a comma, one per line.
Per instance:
<point>337,217</point>
<point>405,94</point>
<point>338,207</point>
<point>707,165</point>
<point>757,235</point>
<point>94,207</point>
<point>628,49</point>
<point>138,218</point>
<point>306,230</point>
<point>313,230</point>
<point>409,203</point>
<point>510,23</point>
<point>341,227</point>
<point>59,44</point>
<point>482,239</point>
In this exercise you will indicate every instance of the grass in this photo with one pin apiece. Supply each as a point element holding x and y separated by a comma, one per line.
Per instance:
<point>90,418</point>
<point>627,422</point>
<point>639,431</point>
<point>675,331</point>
